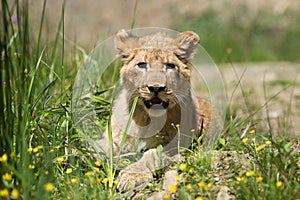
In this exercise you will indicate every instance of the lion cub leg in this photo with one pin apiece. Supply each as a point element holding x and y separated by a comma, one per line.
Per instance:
<point>142,171</point>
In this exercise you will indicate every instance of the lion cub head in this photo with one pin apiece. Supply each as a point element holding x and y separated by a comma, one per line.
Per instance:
<point>157,68</point>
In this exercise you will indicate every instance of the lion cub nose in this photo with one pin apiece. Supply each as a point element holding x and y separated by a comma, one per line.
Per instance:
<point>156,89</point>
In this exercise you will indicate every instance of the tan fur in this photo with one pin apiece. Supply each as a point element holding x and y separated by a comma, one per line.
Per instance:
<point>157,69</point>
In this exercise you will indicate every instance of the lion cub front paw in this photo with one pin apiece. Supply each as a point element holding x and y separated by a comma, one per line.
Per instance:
<point>133,176</point>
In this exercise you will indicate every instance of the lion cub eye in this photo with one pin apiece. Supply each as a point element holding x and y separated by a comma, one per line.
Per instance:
<point>142,65</point>
<point>170,66</point>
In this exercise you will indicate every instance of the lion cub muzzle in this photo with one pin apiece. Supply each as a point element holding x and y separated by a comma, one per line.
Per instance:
<point>153,99</point>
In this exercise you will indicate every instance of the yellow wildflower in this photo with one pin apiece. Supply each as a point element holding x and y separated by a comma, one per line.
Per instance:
<point>199,198</point>
<point>240,179</point>
<point>49,187</point>
<point>189,186</point>
<point>173,188</point>
<point>105,180</point>
<point>259,179</point>
<point>279,184</point>
<point>208,186</point>
<point>29,149</point>
<point>268,142</point>
<point>166,197</point>
<point>51,150</point>
<point>31,166</point>
<point>245,140</point>
<point>34,150</point>
<point>182,166</point>
<point>191,170</point>
<point>96,170</point>
<point>14,194</point>
<point>177,178</point>
<point>46,172</point>
<point>250,173</point>
<point>69,171</point>
<point>7,177</point>
<point>97,163</point>
<point>252,131</point>
<point>260,147</point>
<point>3,158</point>
<point>202,184</point>
<point>74,180</point>
<point>4,193</point>
<point>57,147</point>
<point>87,174</point>
<point>60,159</point>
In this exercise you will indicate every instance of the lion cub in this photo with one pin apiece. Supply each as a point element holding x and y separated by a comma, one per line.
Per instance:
<point>157,70</point>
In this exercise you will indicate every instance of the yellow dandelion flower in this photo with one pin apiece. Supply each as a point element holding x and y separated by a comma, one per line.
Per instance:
<point>36,174</point>
<point>31,166</point>
<point>182,166</point>
<point>60,159</point>
<point>88,174</point>
<point>69,171</point>
<point>29,149</point>
<point>15,194</point>
<point>4,193</point>
<point>245,140</point>
<point>166,197</point>
<point>3,158</point>
<point>51,150</point>
<point>268,142</point>
<point>96,170</point>
<point>252,131</point>
<point>199,198</point>
<point>173,188</point>
<point>177,178</point>
<point>46,172</point>
<point>39,147</point>
<point>209,185</point>
<point>105,180</point>
<point>259,179</point>
<point>49,187</point>
<point>34,150</point>
<point>189,186</point>
<point>97,163</point>
<point>74,180</point>
<point>239,179</point>
<point>202,184</point>
<point>260,147</point>
<point>191,170</point>
<point>7,177</point>
<point>57,147</point>
<point>279,184</point>
<point>250,173</point>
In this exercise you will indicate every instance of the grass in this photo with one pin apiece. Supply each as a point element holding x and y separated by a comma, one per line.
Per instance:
<point>248,40</point>
<point>42,155</point>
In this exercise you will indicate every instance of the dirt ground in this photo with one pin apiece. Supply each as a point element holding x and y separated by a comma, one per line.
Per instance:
<point>274,87</point>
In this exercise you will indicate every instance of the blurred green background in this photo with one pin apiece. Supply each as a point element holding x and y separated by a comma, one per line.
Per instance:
<point>241,30</point>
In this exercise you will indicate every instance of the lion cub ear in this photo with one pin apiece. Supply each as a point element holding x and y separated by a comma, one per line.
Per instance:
<point>186,44</point>
<point>125,41</point>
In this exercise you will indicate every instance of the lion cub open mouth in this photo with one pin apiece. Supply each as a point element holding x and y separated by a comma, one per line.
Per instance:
<point>156,103</point>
